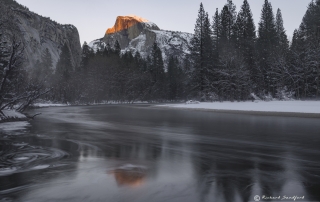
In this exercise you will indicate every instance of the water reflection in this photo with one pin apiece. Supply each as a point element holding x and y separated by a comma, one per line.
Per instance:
<point>147,155</point>
<point>129,175</point>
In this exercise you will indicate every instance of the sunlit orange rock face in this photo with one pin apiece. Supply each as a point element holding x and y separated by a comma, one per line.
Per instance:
<point>125,22</point>
<point>128,28</point>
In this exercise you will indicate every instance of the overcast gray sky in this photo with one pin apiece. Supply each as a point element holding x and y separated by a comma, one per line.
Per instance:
<point>93,17</point>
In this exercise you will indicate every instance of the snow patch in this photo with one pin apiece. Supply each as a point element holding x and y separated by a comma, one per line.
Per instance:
<point>150,25</point>
<point>312,107</point>
<point>140,19</point>
<point>11,115</point>
<point>49,105</point>
<point>192,102</point>
<point>97,45</point>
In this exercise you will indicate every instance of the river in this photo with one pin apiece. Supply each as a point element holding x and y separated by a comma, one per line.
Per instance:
<point>138,153</point>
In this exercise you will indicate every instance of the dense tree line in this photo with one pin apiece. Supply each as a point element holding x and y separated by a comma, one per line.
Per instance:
<point>109,75</point>
<point>230,59</point>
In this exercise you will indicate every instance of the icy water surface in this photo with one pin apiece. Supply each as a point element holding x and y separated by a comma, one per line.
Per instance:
<point>142,154</point>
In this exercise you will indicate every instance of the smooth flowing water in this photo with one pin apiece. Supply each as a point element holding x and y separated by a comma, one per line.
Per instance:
<point>143,154</point>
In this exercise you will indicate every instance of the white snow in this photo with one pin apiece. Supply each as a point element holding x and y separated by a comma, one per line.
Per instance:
<point>96,45</point>
<point>312,107</point>
<point>192,102</point>
<point>167,40</point>
<point>175,42</point>
<point>150,25</point>
<point>137,44</point>
<point>49,105</point>
<point>13,126</point>
<point>140,19</point>
<point>92,43</point>
<point>11,114</point>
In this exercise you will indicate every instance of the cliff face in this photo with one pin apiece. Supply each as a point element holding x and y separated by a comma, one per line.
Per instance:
<point>138,34</point>
<point>125,22</point>
<point>38,33</point>
<point>127,28</point>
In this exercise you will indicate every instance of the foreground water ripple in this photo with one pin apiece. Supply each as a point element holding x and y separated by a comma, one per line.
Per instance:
<point>21,157</point>
<point>141,154</point>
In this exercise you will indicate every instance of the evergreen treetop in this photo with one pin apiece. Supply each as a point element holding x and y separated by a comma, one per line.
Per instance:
<point>281,33</point>
<point>64,65</point>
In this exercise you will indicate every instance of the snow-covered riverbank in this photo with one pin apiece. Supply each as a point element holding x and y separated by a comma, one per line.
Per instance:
<point>11,115</point>
<point>48,105</point>
<point>285,108</point>
<point>11,120</point>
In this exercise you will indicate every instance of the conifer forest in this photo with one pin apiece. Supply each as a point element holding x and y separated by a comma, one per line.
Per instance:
<point>230,59</point>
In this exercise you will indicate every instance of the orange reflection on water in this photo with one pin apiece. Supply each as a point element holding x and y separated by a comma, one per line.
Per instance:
<point>132,176</point>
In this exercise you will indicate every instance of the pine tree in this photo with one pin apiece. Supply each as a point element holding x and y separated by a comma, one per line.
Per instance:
<point>207,45</point>
<point>63,75</point>
<point>296,41</point>
<point>87,53</point>
<point>201,53</point>
<point>225,32</point>
<point>172,78</point>
<point>105,51</point>
<point>266,46</point>
<point>245,32</point>
<point>117,48</point>
<point>298,65</point>
<point>267,28</point>
<point>245,28</point>
<point>216,30</point>
<point>157,72</point>
<point>281,33</point>
<point>139,61</point>
<point>64,65</point>
<point>306,44</point>
<point>228,18</point>
<point>108,47</point>
<point>233,13</point>
<point>232,20</point>
<point>279,65</point>
<point>157,62</point>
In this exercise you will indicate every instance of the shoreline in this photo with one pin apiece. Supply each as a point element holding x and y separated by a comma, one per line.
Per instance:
<point>246,112</point>
<point>12,116</point>
<point>12,119</point>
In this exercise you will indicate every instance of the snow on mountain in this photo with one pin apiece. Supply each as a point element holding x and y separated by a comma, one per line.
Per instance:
<point>138,18</point>
<point>97,44</point>
<point>137,34</point>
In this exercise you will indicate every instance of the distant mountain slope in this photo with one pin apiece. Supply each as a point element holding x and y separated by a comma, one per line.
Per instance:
<point>135,34</point>
<point>38,33</point>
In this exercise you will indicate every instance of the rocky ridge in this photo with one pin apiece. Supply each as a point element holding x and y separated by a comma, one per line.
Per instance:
<point>134,34</point>
<point>38,33</point>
